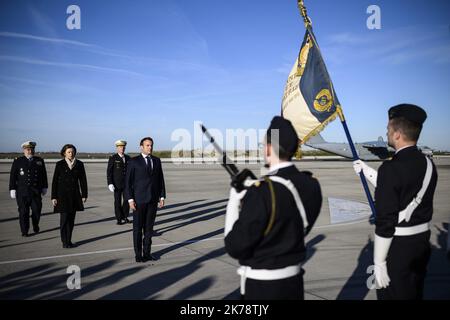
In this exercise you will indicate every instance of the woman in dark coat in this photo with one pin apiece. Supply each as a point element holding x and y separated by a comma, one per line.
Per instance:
<point>67,199</point>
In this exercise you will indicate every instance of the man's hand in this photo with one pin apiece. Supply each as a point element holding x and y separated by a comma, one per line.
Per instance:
<point>132,205</point>
<point>54,202</point>
<point>232,213</point>
<point>380,252</point>
<point>161,203</point>
<point>84,200</point>
<point>111,187</point>
<point>370,173</point>
<point>44,191</point>
<point>358,166</point>
<point>381,275</point>
<point>12,193</point>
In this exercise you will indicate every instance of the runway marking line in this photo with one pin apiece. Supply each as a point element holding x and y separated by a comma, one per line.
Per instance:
<point>156,245</point>
<point>104,251</point>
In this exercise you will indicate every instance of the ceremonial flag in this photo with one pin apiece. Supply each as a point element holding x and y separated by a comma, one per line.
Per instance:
<point>309,100</point>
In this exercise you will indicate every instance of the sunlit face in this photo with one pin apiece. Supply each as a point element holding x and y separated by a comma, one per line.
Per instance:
<point>28,152</point>
<point>120,149</point>
<point>392,135</point>
<point>267,151</point>
<point>69,154</point>
<point>147,147</point>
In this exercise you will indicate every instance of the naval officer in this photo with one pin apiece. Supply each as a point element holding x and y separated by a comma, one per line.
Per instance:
<point>115,175</point>
<point>404,193</point>
<point>27,184</point>
<point>266,224</point>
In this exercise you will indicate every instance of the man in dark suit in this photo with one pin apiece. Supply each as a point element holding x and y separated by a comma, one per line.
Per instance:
<point>115,175</point>
<point>404,193</point>
<point>144,190</point>
<point>27,183</point>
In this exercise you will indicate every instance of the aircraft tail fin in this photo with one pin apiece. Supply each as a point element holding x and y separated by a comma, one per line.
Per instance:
<point>317,139</point>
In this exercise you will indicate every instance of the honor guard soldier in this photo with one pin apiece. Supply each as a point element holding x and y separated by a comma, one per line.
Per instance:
<point>266,224</point>
<point>115,173</point>
<point>404,193</point>
<point>27,183</point>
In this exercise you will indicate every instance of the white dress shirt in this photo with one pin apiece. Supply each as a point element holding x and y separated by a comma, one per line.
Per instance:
<point>273,169</point>
<point>397,151</point>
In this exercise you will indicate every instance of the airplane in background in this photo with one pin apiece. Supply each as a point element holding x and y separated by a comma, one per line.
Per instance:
<point>370,150</point>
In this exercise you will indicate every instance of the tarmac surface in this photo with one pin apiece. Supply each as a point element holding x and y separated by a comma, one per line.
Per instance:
<point>188,241</point>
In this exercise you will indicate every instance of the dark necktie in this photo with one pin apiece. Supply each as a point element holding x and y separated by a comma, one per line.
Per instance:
<point>149,164</point>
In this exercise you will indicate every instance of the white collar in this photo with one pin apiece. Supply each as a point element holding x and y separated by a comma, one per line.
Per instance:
<point>123,155</point>
<point>70,164</point>
<point>145,156</point>
<point>281,165</point>
<point>397,151</point>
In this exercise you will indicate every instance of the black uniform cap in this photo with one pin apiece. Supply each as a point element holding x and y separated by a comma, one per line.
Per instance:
<point>410,112</point>
<point>288,138</point>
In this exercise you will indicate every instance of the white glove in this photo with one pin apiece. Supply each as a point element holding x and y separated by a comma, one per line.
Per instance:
<point>12,193</point>
<point>370,173</point>
<point>232,214</point>
<point>111,187</point>
<point>381,249</point>
<point>44,191</point>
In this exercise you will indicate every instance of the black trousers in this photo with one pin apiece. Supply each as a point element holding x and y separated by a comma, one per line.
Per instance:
<point>25,202</point>
<point>284,289</point>
<point>121,205</point>
<point>143,221</point>
<point>407,266</point>
<point>67,222</point>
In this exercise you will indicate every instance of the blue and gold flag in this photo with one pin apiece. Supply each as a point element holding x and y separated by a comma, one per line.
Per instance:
<point>309,100</point>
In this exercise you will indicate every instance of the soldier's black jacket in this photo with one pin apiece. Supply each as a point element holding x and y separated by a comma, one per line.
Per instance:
<point>28,176</point>
<point>399,180</point>
<point>284,245</point>
<point>117,170</point>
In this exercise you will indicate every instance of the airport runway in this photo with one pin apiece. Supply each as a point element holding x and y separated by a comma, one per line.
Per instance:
<point>189,242</point>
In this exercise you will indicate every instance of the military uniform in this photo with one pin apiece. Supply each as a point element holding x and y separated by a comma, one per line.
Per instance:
<point>116,172</point>
<point>275,215</point>
<point>405,187</point>
<point>29,178</point>
<point>399,180</point>
<point>115,175</point>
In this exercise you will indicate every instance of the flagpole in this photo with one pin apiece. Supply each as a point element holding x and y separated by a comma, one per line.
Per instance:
<point>307,21</point>
<point>356,157</point>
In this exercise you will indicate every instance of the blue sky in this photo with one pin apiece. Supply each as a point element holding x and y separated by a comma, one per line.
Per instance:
<point>139,68</point>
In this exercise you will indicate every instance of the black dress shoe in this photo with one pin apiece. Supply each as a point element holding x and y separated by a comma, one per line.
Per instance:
<point>127,221</point>
<point>149,257</point>
<point>65,246</point>
<point>139,259</point>
<point>25,235</point>
<point>119,223</point>
<point>72,245</point>
<point>36,230</point>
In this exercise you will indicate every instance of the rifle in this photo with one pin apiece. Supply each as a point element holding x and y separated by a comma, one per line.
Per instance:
<point>239,179</point>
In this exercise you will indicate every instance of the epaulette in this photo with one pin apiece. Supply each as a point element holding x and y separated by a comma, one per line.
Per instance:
<point>308,173</point>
